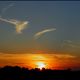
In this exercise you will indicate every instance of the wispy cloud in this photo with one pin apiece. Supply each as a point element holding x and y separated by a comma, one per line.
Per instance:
<point>71,44</point>
<point>6,8</point>
<point>19,25</point>
<point>64,56</point>
<point>37,35</point>
<point>68,41</point>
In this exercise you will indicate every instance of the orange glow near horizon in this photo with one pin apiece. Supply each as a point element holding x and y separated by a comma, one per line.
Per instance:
<point>38,61</point>
<point>48,61</point>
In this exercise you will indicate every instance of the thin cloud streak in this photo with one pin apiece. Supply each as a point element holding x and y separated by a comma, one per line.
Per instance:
<point>6,8</point>
<point>42,32</point>
<point>71,44</point>
<point>64,56</point>
<point>19,25</point>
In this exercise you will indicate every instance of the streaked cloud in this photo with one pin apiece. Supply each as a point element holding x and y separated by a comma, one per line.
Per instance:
<point>64,56</point>
<point>19,25</point>
<point>68,41</point>
<point>6,8</point>
<point>61,56</point>
<point>71,44</point>
<point>39,56</point>
<point>38,34</point>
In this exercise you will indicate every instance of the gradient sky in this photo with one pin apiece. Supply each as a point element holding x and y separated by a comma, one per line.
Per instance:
<point>63,15</point>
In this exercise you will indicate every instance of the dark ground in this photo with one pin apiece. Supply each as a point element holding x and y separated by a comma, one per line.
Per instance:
<point>18,73</point>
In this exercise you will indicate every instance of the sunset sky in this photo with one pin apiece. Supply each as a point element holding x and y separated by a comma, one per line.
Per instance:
<point>46,32</point>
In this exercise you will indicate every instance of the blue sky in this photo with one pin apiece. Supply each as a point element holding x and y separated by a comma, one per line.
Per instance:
<point>63,15</point>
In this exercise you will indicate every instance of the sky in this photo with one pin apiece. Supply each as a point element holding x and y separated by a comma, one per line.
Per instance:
<point>56,24</point>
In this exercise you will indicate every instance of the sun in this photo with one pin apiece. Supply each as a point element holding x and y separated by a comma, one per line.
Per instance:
<point>40,65</point>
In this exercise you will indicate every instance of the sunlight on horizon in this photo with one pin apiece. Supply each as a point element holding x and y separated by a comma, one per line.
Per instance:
<point>40,65</point>
<point>48,61</point>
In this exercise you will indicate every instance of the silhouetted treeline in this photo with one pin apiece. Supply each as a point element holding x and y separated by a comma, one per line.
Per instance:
<point>18,73</point>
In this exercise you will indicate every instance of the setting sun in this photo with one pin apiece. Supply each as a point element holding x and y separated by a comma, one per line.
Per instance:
<point>40,65</point>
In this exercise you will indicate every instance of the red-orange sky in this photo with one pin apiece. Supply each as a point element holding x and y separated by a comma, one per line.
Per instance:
<point>52,61</point>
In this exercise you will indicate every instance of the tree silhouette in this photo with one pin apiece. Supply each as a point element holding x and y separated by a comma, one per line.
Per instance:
<point>18,73</point>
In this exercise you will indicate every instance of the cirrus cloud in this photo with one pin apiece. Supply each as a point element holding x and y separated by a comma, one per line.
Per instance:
<point>38,34</point>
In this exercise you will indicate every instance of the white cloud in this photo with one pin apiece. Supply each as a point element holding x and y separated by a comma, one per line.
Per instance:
<point>19,25</point>
<point>43,31</point>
